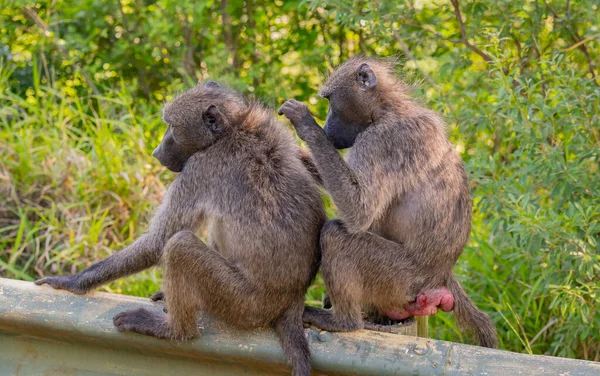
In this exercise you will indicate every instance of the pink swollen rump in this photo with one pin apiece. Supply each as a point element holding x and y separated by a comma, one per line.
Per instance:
<point>426,304</point>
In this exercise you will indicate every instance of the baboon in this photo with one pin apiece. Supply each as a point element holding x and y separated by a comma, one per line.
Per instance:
<point>239,172</point>
<point>403,197</point>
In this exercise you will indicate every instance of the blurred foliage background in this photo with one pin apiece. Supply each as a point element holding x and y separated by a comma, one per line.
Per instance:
<point>82,85</point>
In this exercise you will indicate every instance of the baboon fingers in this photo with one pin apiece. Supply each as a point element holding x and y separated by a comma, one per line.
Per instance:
<point>42,281</point>
<point>294,110</point>
<point>68,283</point>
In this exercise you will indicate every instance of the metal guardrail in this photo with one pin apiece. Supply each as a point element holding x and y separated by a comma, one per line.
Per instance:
<point>51,332</point>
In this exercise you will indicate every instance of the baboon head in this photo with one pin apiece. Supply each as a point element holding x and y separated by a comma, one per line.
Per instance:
<point>196,119</point>
<point>354,91</point>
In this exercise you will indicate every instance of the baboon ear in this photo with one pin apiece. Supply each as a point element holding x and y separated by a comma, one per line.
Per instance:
<point>213,119</point>
<point>365,77</point>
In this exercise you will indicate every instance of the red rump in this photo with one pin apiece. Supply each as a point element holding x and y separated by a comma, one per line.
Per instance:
<point>426,304</point>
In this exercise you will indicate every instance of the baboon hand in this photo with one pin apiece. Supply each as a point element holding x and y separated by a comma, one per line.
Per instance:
<point>69,283</point>
<point>301,118</point>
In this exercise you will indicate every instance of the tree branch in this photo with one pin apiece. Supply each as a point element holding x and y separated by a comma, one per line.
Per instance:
<point>230,41</point>
<point>463,33</point>
<point>33,17</point>
<point>579,41</point>
<point>410,56</point>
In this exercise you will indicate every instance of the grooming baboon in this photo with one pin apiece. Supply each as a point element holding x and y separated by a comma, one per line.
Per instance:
<point>403,195</point>
<point>241,172</point>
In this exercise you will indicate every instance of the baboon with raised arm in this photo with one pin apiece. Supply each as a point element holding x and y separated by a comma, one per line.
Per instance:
<point>403,197</point>
<point>240,172</point>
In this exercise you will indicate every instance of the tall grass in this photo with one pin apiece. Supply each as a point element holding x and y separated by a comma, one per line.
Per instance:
<point>77,183</point>
<point>77,180</point>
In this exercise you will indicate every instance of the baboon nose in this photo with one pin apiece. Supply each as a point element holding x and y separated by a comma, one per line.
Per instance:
<point>155,153</point>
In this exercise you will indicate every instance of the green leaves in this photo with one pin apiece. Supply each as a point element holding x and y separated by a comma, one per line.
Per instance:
<point>513,80</point>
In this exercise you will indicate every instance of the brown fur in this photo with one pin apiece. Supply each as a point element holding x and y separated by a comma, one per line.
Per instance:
<point>241,174</point>
<point>402,193</point>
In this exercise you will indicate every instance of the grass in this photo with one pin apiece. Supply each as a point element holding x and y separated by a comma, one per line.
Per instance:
<point>77,183</point>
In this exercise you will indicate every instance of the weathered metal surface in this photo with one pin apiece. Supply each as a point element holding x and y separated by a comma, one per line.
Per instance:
<point>50,332</point>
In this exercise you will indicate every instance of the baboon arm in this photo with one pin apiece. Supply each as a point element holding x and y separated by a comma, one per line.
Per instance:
<point>358,197</point>
<point>140,255</point>
<point>143,253</point>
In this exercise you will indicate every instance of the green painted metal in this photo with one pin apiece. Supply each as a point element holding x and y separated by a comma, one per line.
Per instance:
<point>50,332</point>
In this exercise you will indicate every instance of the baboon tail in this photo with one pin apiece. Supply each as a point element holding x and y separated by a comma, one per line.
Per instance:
<point>470,318</point>
<point>295,345</point>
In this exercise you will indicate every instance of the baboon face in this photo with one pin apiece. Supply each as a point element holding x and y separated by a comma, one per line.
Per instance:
<point>350,94</point>
<point>195,122</point>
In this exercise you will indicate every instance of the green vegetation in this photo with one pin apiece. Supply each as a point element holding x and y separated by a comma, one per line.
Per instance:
<point>82,85</point>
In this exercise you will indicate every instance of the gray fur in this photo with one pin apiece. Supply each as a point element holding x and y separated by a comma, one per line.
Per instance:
<point>242,175</point>
<point>402,194</point>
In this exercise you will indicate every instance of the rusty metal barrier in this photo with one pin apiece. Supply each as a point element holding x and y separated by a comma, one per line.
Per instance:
<point>50,332</point>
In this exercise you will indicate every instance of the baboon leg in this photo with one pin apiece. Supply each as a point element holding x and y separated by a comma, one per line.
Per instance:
<point>388,273</point>
<point>196,277</point>
<point>359,268</point>
<point>344,289</point>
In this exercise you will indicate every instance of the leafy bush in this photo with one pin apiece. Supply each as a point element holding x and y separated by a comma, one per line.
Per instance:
<point>81,87</point>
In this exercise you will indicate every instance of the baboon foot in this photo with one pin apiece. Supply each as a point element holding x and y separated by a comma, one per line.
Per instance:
<point>384,321</point>
<point>328,320</point>
<point>378,327</point>
<point>159,295</point>
<point>143,321</point>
